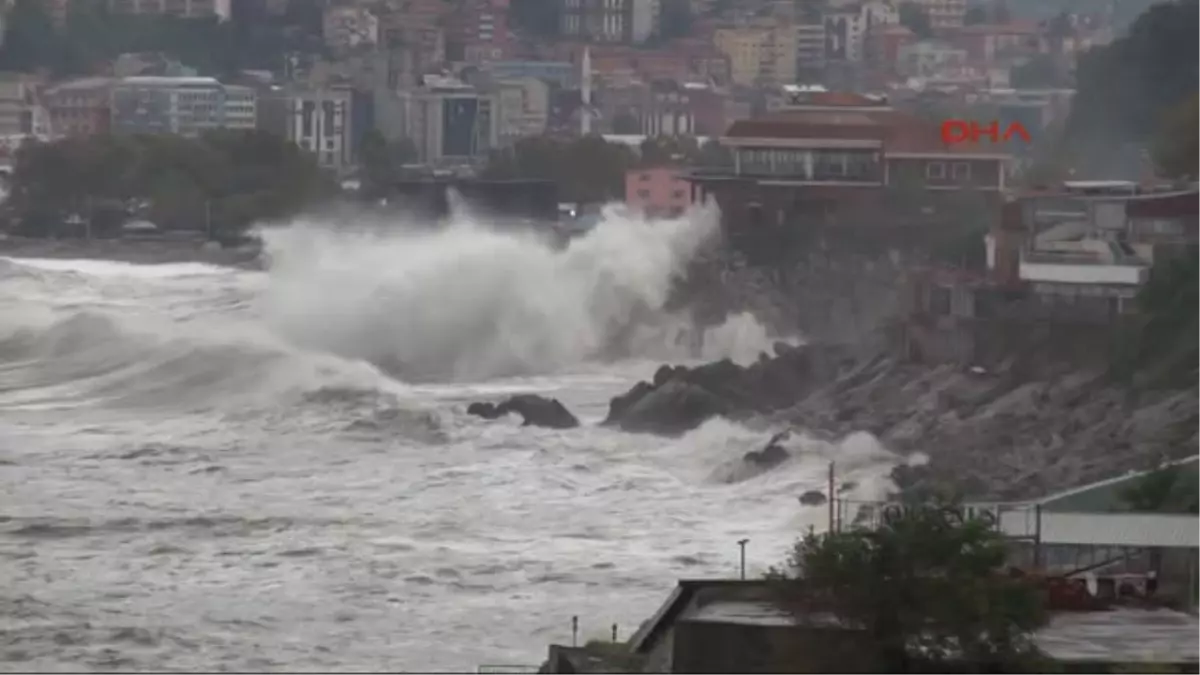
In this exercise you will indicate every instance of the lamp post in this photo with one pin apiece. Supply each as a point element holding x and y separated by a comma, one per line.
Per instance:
<point>742,545</point>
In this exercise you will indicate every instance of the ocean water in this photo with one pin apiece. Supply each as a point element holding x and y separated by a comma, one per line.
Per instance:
<point>213,469</point>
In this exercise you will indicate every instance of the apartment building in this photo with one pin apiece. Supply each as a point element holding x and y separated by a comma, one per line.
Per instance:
<point>319,121</point>
<point>180,105</point>
<point>481,28</point>
<point>849,29</point>
<point>79,107</point>
<point>614,21</point>
<point>181,8</point>
<point>449,121</point>
<point>810,48</point>
<point>759,54</point>
<point>523,108</point>
<point>21,111</point>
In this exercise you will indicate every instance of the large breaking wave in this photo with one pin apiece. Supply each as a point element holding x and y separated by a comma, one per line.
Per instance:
<point>468,302</point>
<point>340,303</point>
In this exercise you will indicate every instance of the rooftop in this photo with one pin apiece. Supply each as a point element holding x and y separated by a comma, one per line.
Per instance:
<point>1121,636</point>
<point>162,80</point>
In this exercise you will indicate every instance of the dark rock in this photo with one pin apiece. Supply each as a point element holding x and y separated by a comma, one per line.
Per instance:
<point>770,456</point>
<point>674,408</point>
<point>487,411</point>
<point>723,388</point>
<point>535,410</point>
<point>813,498</point>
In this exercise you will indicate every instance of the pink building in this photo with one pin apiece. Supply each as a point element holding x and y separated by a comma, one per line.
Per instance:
<point>659,192</point>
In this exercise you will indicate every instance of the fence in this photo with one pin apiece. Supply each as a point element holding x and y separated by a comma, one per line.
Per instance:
<point>1019,521</point>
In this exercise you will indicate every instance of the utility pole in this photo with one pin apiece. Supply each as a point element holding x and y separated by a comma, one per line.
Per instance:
<point>208,231</point>
<point>742,545</point>
<point>832,499</point>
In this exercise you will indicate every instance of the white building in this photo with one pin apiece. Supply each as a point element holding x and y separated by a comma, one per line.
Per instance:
<point>928,58</point>
<point>21,111</point>
<point>318,120</point>
<point>848,29</point>
<point>184,8</point>
<point>943,13</point>
<point>523,108</point>
<point>180,105</point>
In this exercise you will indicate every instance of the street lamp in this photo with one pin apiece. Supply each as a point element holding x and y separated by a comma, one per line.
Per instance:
<point>742,545</point>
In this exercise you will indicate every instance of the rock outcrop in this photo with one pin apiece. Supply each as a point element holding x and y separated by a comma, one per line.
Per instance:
<point>535,410</point>
<point>681,398</point>
<point>772,455</point>
<point>999,435</point>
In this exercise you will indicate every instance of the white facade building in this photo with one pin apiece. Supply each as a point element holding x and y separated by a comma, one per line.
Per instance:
<point>180,105</point>
<point>319,121</point>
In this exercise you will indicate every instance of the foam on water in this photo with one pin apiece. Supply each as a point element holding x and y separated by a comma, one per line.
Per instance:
<point>205,468</point>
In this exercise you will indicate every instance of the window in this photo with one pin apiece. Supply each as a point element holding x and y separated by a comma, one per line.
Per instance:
<point>962,171</point>
<point>677,194</point>
<point>935,170</point>
<point>643,194</point>
<point>645,177</point>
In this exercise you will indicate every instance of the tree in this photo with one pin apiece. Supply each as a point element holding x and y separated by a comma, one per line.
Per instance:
<point>914,18</point>
<point>1041,71</point>
<point>1176,148</point>
<point>587,170</point>
<point>676,19</point>
<point>30,41</point>
<point>1125,88</point>
<point>234,178</point>
<point>382,161</point>
<point>1168,489</point>
<point>927,587</point>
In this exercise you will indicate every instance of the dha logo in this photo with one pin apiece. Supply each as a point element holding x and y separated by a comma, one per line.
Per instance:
<point>963,131</point>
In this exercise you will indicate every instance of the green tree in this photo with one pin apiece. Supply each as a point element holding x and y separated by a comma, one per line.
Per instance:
<point>1125,88</point>
<point>587,170</point>
<point>30,41</point>
<point>1168,339</point>
<point>1041,71</point>
<point>1168,489</point>
<point>676,19</point>
<point>914,18</point>
<point>928,587</point>
<point>230,179</point>
<point>381,161</point>
<point>1176,148</point>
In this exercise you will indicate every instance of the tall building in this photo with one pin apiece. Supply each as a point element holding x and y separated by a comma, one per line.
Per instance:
<point>614,21</point>
<point>759,55</point>
<point>180,105</point>
<point>182,8</point>
<point>319,121</point>
<point>450,122</point>
<point>481,29</point>
<point>21,111</point>
<point>79,107</point>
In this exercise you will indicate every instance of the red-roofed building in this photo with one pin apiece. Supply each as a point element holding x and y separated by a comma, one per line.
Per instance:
<point>835,153</point>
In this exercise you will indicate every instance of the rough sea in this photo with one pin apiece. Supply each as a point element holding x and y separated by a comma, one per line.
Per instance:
<point>204,468</point>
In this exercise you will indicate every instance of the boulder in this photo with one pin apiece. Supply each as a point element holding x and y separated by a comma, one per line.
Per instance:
<point>813,498</point>
<point>535,410</point>
<point>679,398</point>
<point>770,456</point>
<point>674,408</point>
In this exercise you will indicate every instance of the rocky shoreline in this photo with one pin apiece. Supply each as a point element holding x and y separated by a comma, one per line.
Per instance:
<point>987,434</point>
